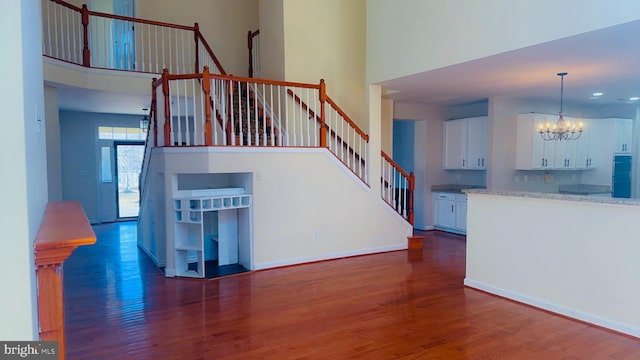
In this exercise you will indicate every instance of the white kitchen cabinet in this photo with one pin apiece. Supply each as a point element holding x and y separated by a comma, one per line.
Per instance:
<point>461,212</point>
<point>622,134</point>
<point>444,210</point>
<point>465,143</point>
<point>476,142</point>
<point>532,152</point>
<point>455,144</point>
<point>587,146</point>
<point>450,212</point>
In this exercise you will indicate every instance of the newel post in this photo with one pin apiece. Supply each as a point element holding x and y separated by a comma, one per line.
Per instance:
<point>250,46</point>
<point>323,125</point>
<point>154,111</point>
<point>167,107</point>
<point>86,53</point>
<point>412,187</point>
<point>206,87</point>
<point>196,35</point>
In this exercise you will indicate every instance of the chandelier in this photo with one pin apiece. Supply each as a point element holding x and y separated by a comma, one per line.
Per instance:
<point>562,129</point>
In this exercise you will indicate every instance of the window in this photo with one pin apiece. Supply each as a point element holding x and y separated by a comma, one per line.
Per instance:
<point>105,164</point>
<point>120,133</point>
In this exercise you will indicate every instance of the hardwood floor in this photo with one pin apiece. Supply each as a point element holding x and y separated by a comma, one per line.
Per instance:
<point>396,305</point>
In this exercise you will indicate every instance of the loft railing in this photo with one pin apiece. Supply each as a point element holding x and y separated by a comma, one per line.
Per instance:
<point>94,39</point>
<point>397,187</point>
<point>253,43</point>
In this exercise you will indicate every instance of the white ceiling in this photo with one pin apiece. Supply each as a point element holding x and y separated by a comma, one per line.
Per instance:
<point>80,99</point>
<point>606,60</point>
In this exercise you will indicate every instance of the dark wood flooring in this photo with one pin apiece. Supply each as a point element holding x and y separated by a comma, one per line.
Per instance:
<point>396,305</point>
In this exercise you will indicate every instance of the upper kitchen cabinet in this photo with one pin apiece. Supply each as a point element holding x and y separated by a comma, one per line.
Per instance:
<point>621,129</point>
<point>587,147</point>
<point>534,153</point>
<point>465,143</point>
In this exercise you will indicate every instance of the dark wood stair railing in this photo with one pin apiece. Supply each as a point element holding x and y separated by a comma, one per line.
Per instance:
<point>250,36</point>
<point>64,228</point>
<point>402,198</point>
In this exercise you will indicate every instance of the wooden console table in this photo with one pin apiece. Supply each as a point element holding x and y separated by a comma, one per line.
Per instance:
<point>64,228</point>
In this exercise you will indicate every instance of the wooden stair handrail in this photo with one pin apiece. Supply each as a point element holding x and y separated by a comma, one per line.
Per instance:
<point>67,5</point>
<point>348,119</point>
<point>63,228</point>
<point>394,164</point>
<point>211,53</point>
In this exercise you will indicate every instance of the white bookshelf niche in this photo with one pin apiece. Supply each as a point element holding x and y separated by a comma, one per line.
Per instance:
<point>211,224</point>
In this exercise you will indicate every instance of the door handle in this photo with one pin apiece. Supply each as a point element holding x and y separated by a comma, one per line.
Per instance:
<point>451,208</point>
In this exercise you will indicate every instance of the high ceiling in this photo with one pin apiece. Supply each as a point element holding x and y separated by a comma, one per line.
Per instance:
<point>606,61</point>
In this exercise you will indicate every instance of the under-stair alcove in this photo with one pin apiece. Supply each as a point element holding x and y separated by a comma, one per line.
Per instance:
<point>213,224</point>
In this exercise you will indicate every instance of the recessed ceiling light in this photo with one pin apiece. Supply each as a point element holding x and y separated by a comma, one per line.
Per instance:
<point>597,94</point>
<point>634,98</point>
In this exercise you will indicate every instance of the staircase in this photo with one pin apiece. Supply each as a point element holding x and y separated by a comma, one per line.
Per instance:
<point>254,127</point>
<point>305,161</point>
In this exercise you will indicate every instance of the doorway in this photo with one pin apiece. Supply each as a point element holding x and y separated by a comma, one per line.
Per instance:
<point>129,156</point>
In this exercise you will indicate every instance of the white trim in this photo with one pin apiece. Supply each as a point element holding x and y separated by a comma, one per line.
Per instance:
<point>330,256</point>
<point>238,149</point>
<point>150,255</point>
<point>98,71</point>
<point>169,272</point>
<point>423,227</point>
<point>448,229</point>
<point>264,150</point>
<point>555,308</point>
<point>392,210</point>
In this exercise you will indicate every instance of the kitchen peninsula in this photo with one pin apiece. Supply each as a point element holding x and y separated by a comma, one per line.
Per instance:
<point>578,256</point>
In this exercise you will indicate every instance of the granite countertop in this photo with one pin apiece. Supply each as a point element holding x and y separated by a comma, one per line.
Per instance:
<point>556,196</point>
<point>583,189</point>
<point>454,188</point>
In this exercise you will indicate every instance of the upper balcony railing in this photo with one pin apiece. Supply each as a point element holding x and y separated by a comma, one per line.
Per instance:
<point>94,39</point>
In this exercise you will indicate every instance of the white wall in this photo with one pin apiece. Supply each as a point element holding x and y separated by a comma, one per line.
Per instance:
<point>326,39</point>
<point>80,157</point>
<point>406,37</point>
<point>291,203</point>
<point>54,162</point>
<point>23,160</point>
<point>271,39</point>
<point>588,271</point>
<point>223,23</point>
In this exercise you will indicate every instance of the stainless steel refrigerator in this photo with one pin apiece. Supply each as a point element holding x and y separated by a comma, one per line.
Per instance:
<point>621,181</point>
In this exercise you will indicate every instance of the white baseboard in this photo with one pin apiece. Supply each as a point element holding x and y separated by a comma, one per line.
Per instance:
<point>151,256</point>
<point>329,256</point>
<point>423,227</point>
<point>169,272</point>
<point>555,308</point>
